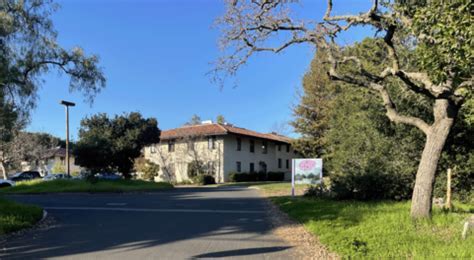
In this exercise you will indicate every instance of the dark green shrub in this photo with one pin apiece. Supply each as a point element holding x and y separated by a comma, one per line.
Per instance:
<point>183,182</point>
<point>237,177</point>
<point>91,178</point>
<point>149,169</point>
<point>253,176</point>
<point>371,185</point>
<point>244,177</point>
<point>204,179</point>
<point>319,190</point>
<point>261,176</point>
<point>196,168</point>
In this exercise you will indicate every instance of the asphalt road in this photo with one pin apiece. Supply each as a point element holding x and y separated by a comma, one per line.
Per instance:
<point>179,224</point>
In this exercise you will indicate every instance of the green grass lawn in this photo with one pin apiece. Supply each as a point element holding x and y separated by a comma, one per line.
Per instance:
<point>270,188</point>
<point>379,230</point>
<point>39,186</point>
<point>14,216</point>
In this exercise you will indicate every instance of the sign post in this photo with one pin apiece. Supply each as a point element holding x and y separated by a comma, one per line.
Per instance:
<point>306,171</point>
<point>292,177</point>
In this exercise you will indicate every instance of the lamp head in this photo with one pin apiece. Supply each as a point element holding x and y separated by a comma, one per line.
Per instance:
<point>67,103</point>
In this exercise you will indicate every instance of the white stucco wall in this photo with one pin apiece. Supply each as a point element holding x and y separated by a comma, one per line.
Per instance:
<point>232,155</point>
<point>176,163</point>
<point>72,163</point>
<point>45,167</point>
<point>225,156</point>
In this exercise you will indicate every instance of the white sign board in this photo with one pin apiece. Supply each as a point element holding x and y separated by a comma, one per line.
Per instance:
<point>306,171</point>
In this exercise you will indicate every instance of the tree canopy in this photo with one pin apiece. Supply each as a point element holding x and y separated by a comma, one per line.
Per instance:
<point>112,144</point>
<point>195,120</point>
<point>220,119</point>
<point>367,156</point>
<point>28,50</point>
<point>424,49</point>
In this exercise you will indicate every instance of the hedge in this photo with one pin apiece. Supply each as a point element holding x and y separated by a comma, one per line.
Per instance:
<point>204,179</point>
<point>256,176</point>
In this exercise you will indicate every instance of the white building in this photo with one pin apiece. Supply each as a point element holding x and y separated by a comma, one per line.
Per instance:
<point>55,156</point>
<point>222,148</point>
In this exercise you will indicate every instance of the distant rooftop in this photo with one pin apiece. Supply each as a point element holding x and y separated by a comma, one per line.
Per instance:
<point>210,129</point>
<point>58,151</point>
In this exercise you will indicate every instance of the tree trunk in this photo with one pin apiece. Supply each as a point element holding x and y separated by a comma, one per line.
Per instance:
<point>444,113</point>
<point>4,171</point>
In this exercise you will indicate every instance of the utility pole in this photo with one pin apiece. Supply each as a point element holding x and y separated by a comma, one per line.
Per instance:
<point>67,104</point>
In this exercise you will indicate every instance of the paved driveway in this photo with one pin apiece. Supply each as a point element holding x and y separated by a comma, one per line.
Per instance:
<point>179,224</point>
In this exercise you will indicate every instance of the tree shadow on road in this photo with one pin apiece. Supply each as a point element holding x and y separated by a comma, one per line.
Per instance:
<point>242,252</point>
<point>109,233</point>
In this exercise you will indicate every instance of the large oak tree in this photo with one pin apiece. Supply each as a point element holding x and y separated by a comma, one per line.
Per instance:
<point>112,144</point>
<point>440,33</point>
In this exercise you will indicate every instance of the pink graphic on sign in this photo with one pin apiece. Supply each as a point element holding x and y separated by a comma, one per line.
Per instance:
<point>307,165</point>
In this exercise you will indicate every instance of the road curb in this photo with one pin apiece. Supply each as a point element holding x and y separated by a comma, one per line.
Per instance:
<point>37,225</point>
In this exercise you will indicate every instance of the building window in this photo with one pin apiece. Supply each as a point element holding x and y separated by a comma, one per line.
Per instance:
<point>252,146</point>
<point>153,149</point>
<point>287,164</point>
<point>264,147</point>
<point>239,144</point>
<point>211,142</point>
<point>287,148</point>
<point>279,163</point>
<point>279,147</point>
<point>238,166</point>
<point>252,168</point>
<point>171,146</point>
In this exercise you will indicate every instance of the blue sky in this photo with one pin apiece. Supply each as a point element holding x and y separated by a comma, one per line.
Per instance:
<point>155,56</point>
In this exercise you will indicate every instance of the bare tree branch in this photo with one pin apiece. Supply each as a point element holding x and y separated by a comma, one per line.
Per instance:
<point>249,26</point>
<point>370,17</point>
<point>417,82</point>
<point>369,81</point>
<point>392,113</point>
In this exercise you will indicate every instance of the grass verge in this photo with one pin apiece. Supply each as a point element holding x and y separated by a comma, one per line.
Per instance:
<point>14,216</point>
<point>380,229</point>
<point>377,229</point>
<point>39,186</point>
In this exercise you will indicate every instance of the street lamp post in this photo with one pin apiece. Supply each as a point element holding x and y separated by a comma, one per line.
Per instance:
<point>67,104</point>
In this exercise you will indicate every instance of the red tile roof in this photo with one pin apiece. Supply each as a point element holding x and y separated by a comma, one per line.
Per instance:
<point>218,129</point>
